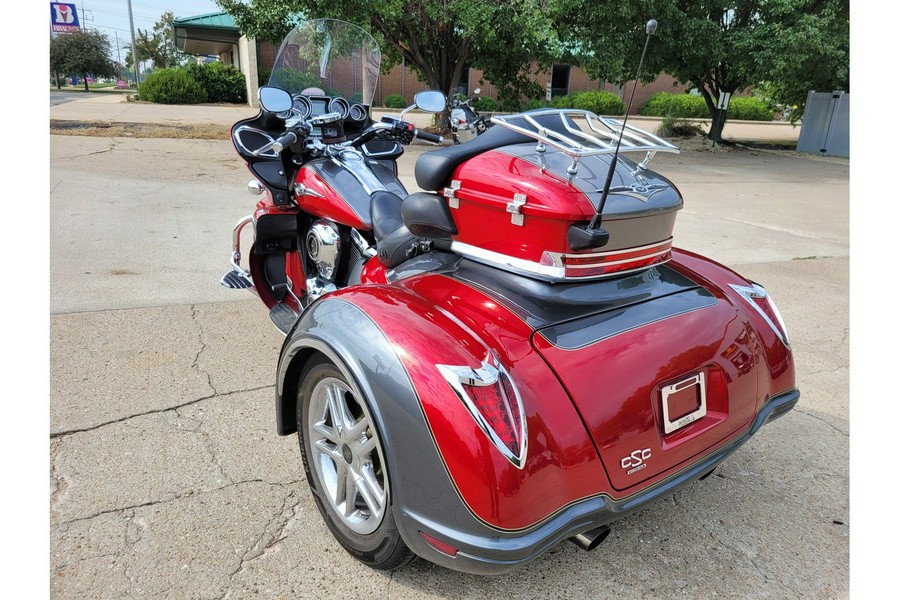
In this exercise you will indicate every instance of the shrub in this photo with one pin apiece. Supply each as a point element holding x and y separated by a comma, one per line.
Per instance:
<point>294,81</point>
<point>600,103</point>
<point>750,109</point>
<point>223,83</point>
<point>562,102</point>
<point>395,101</point>
<point>688,106</point>
<point>511,105</point>
<point>671,127</point>
<point>262,76</point>
<point>172,86</point>
<point>682,106</point>
<point>487,105</point>
<point>535,104</point>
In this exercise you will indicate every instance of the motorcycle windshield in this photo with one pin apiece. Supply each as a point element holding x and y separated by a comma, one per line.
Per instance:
<point>328,57</point>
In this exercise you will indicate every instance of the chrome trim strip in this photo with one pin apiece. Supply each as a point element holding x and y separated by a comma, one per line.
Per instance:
<point>758,291</point>
<point>484,376</point>
<point>355,164</point>
<point>555,272</point>
<point>618,262</point>
<point>240,143</point>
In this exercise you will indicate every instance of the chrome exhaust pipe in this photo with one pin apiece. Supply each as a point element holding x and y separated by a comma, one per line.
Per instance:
<point>588,540</point>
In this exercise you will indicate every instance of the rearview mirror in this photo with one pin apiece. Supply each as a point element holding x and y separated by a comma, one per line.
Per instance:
<point>275,99</point>
<point>430,101</point>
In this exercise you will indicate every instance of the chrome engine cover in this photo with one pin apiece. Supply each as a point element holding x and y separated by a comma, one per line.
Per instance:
<point>323,244</point>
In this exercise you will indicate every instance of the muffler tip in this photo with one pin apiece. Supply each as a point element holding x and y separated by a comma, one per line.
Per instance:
<point>588,540</point>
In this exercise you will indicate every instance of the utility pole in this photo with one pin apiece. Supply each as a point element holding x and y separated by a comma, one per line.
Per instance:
<point>134,54</point>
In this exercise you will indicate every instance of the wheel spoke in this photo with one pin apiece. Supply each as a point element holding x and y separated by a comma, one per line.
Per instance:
<point>327,448</point>
<point>370,490</point>
<point>358,428</point>
<point>326,432</point>
<point>333,398</point>
<point>350,490</point>
<point>366,448</point>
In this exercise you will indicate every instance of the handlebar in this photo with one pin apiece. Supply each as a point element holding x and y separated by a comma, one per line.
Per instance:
<point>429,137</point>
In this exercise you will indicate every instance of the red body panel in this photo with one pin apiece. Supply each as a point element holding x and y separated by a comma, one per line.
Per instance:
<point>616,385</point>
<point>613,386</point>
<point>489,182</point>
<point>332,206</point>
<point>562,465</point>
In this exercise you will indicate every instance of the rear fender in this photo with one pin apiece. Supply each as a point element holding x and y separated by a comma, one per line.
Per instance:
<point>779,376</point>
<point>381,332</point>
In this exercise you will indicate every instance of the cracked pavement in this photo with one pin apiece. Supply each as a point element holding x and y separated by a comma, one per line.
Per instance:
<point>167,479</point>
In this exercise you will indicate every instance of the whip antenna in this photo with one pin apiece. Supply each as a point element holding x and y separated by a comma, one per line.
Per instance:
<point>595,222</point>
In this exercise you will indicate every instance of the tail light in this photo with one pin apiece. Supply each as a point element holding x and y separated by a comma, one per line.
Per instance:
<point>490,396</point>
<point>594,264</point>
<point>757,297</point>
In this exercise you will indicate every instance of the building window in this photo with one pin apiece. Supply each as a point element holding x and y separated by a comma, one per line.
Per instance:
<point>559,80</point>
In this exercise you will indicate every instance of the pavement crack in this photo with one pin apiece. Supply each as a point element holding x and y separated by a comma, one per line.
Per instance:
<point>155,411</point>
<point>271,535</point>
<point>818,418</point>
<point>125,509</point>
<point>195,365</point>
<point>207,443</point>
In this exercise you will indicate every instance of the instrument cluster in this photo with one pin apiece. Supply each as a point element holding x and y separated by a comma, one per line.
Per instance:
<point>312,106</point>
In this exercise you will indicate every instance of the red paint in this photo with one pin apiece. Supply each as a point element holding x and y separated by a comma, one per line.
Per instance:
<point>331,205</point>
<point>562,465</point>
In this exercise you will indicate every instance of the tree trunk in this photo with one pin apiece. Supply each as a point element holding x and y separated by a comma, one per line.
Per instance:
<point>84,76</point>
<point>58,82</point>
<point>719,117</point>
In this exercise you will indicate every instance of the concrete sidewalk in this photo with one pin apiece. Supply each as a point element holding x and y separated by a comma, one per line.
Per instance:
<point>115,108</point>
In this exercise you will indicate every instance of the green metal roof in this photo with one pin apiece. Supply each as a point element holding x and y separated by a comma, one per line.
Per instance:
<point>219,20</point>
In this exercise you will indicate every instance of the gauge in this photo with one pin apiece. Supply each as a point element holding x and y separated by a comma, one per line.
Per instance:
<point>302,107</point>
<point>341,106</point>
<point>357,112</point>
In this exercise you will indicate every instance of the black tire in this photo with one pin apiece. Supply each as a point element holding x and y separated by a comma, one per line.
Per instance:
<point>369,532</point>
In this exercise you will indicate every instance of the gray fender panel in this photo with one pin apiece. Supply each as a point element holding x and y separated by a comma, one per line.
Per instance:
<point>421,489</point>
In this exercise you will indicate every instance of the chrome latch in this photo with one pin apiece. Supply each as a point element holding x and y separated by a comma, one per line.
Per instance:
<point>450,193</point>
<point>514,207</point>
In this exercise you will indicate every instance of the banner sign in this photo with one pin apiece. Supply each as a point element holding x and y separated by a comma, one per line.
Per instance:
<point>63,17</point>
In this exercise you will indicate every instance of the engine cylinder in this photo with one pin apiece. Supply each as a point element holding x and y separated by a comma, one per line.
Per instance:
<point>323,244</point>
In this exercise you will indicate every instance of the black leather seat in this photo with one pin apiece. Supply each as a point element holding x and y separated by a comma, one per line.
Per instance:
<point>435,167</point>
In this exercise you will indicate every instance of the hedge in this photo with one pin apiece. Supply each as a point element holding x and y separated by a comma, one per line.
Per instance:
<point>394,101</point>
<point>223,83</point>
<point>689,106</point>
<point>172,86</point>
<point>486,105</point>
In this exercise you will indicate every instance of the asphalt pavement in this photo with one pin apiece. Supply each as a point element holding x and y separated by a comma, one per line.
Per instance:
<point>167,479</point>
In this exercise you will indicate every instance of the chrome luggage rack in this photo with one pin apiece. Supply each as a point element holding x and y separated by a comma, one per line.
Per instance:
<point>602,137</point>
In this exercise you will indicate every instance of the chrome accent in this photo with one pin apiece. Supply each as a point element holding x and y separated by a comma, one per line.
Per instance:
<point>255,187</point>
<point>236,136</point>
<point>323,244</point>
<point>552,272</point>
<point>514,208</point>
<point>602,138</point>
<point>668,424</point>
<point>450,193</point>
<point>302,190</point>
<point>556,258</point>
<point>316,287</point>
<point>485,376</point>
<point>236,243</point>
<point>283,317</point>
<point>360,242</point>
<point>237,280</point>
<point>340,106</point>
<point>758,291</point>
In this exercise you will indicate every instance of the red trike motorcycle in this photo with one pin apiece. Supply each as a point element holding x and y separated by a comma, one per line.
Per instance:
<point>516,355</point>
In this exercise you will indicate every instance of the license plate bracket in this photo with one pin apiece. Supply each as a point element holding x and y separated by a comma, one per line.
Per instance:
<point>683,402</point>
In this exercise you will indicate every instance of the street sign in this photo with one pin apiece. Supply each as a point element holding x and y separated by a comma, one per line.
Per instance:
<point>63,18</point>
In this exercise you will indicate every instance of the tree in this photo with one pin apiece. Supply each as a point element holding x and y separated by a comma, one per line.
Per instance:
<point>439,39</point>
<point>84,52</point>
<point>718,47</point>
<point>159,47</point>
